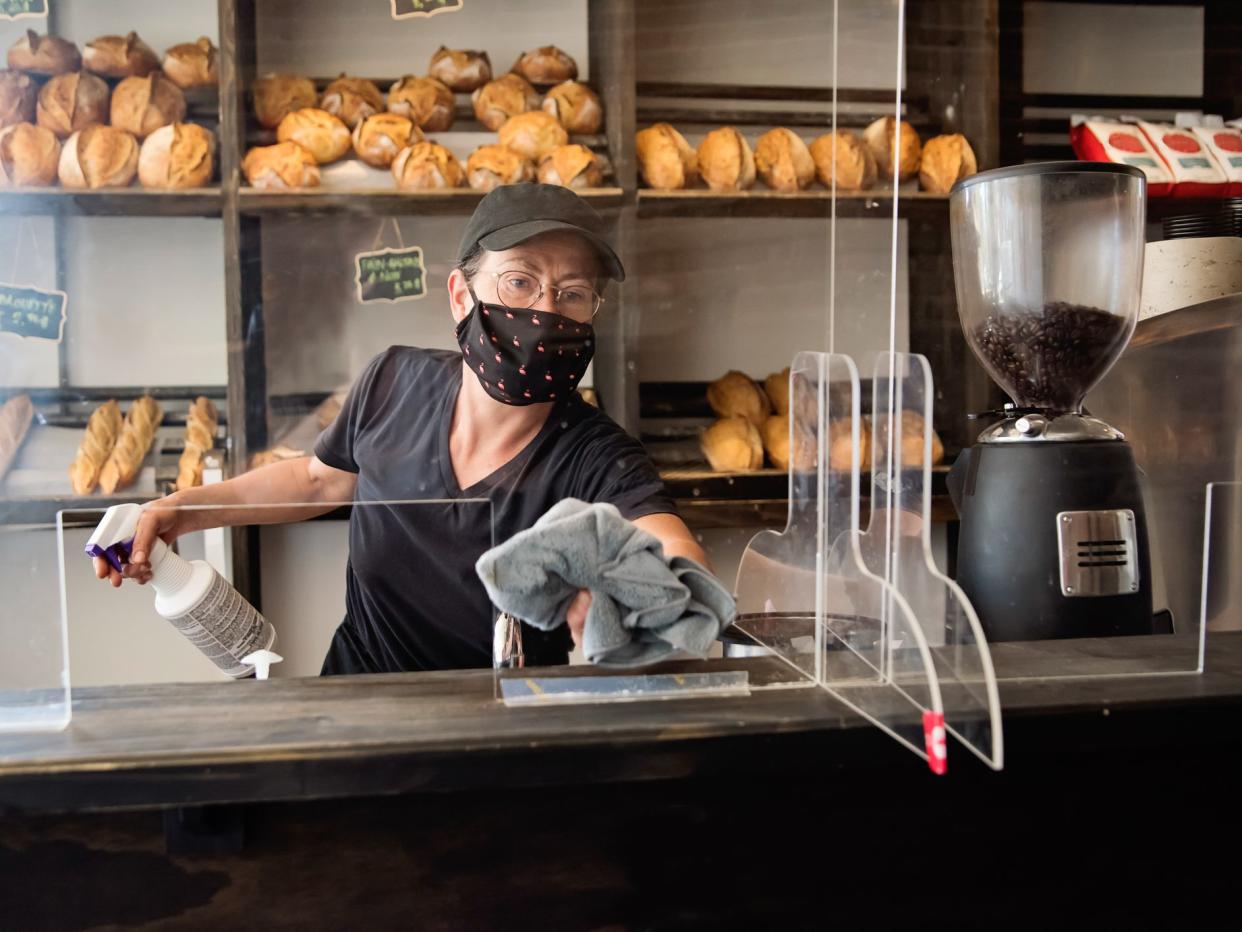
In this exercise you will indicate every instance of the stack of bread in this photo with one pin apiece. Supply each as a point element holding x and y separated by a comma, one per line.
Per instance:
<point>754,419</point>
<point>388,130</point>
<point>725,161</point>
<point>101,117</point>
<point>132,443</point>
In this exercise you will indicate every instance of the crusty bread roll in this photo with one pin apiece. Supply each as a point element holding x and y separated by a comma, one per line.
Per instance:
<point>70,102</point>
<point>426,101</point>
<point>725,160</point>
<point>546,65</point>
<point>846,157</point>
<point>29,156</point>
<point>737,394</point>
<point>15,417</point>
<point>840,445</point>
<point>46,55</point>
<point>507,96</point>
<point>283,166</point>
<point>180,155</point>
<point>533,135</point>
<point>776,431</point>
<point>137,434</point>
<point>119,57</point>
<point>776,387</point>
<point>200,436</point>
<point>783,160</point>
<point>379,138</point>
<point>98,157</point>
<point>879,138</point>
<point>102,430</point>
<point>276,454</point>
<point>576,107</point>
<point>278,95</point>
<point>427,165</point>
<point>946,160</point>
<point>192,64</point>
<point>142,105</point>
<point>491,166</point>
<point>912,427</point>
<point>732,444</point>
<point>666,159</point>
<point>352,99</point>
<point>461,70</point>
<point>317,131</point>
<point>572,166</point>
<point>18,94</point>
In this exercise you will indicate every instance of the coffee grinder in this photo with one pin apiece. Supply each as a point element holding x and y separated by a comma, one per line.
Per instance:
<point>1048,260</point>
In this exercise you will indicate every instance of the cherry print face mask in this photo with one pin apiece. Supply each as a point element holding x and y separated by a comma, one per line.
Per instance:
<point>524,357</point>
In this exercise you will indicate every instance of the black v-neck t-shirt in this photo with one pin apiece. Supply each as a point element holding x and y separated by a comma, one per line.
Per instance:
<point>413,601</point>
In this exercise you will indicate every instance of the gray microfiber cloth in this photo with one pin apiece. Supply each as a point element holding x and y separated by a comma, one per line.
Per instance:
<point>643,607</point>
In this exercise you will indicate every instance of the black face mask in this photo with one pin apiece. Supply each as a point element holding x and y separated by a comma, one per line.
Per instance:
<point>524,357</point>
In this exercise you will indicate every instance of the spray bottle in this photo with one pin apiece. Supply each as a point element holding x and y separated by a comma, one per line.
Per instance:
<point>191,594</point>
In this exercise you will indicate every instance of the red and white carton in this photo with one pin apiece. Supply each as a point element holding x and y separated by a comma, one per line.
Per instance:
<point>1195,172</point>
<point>1225,144</point>
<point>1125,144</point>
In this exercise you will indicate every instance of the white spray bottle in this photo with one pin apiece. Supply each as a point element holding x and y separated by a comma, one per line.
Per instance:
<point>191,594</point>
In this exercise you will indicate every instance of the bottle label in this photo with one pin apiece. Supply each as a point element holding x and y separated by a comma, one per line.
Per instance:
<point>225,627</point>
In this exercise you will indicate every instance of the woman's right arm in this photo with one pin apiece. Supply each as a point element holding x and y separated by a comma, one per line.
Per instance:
<point>262,496</point>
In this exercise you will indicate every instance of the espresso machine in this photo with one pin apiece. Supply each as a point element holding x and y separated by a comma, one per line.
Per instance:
<point>1048,262</point>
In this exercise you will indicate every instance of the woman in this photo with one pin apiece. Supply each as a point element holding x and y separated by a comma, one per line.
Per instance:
<point>498,420</point>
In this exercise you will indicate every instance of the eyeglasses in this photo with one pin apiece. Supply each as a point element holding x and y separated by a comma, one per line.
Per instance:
<point>519,289</point>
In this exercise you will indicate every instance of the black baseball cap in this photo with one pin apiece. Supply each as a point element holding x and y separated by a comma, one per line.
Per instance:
<point>513,213</point>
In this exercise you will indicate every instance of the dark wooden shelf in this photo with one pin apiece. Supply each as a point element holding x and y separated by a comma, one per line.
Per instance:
<point>111,202</point>
<point>761,202</point>
<point>384,201</point>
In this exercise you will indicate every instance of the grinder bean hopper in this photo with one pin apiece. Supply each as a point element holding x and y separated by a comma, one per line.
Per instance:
<point>1048,261</point>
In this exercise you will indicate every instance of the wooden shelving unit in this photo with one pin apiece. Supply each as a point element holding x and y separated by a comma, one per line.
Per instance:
<point>111,202</point>
<point>381,202</point>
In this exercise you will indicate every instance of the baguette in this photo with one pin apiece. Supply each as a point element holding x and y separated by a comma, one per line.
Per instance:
<point>15,417</point>
<point>102,430</point>
<point>135,439</point>
<point>200,436</point>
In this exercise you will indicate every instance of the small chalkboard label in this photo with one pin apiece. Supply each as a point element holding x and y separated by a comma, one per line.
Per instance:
<point>22,9</point>
<point>390,275</point>
<point>33,312</point>
<point>406,9</point>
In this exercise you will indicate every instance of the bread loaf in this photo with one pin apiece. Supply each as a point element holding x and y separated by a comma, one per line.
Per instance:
<point>840,445</point>
<point>735,394</point>
<point>572,166</point>
<point>912,428</point>
<point>142,105</point>
<point>546,65</point>
<point>119,57</point>
<point>278,95</point>
<point>533,135</point>
<point>732,444</point>
<point>280,167</point>
<point>879,137</point>
<point>844,156</point>
<point>18,95</point>
<point>352,99</point>
<point>946,160</point>
<point>15,417</point>
<point>274,455</point>
<point>666,159</point>
<point>576,107</point>
<point>98,157</point>
<point>776,387</point>
<point>102,430</point>
<point>29,156</point>
<point>178,156</point>
<point>317,131</point>
<point>379,138</point>
<point>783,160</point>
<point>776,433</point>
<point>45,55</point>
<point>725,160</point>
<point>426,101</point>
<point>192,64</point>
<point>137,434</point>
<point>200,436</point>
<point>491,166</point>
<point>70,102</point>
<point>427,165</point>
<point>507,96</point>
<point>461,70</point>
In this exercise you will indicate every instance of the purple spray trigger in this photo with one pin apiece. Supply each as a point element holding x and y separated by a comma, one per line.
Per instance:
<point>117,555</point>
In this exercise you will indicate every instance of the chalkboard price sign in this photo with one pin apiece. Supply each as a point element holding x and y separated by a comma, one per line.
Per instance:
<point>390,275</point>
<point>33,312</point>
<point>22,9</point>
<point>405,9</point>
